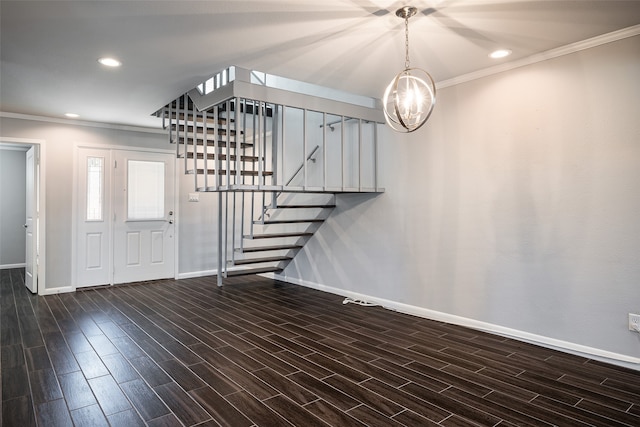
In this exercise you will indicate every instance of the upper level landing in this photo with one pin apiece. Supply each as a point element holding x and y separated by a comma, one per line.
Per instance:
<point>245,130</point>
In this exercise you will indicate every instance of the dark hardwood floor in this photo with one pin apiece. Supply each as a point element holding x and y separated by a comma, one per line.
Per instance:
<point>265,353</point>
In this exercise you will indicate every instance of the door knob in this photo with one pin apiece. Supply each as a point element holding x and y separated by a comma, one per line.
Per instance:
<point>26,226</point>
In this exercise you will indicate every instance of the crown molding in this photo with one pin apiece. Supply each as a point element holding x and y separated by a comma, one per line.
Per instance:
<point>74,122</point>
<point>543,56</point>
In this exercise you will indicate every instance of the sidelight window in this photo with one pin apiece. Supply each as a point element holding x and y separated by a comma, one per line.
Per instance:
<point>95,188</point>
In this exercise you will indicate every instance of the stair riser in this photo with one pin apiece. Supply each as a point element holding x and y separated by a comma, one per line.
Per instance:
<point>221,157</point>
<point>189,118</point>
<point>261,270</point>
<point>211,143</point>
<point>272,248</point>
<point>290,221</point>
<point>224,172</point>
<point>249,261</point>
<point>272,237</point>
<point>199,131</point>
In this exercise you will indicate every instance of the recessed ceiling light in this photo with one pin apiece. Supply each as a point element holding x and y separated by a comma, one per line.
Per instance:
<point>109,62</point>
<point>500,53</point>
<point>72,115</point>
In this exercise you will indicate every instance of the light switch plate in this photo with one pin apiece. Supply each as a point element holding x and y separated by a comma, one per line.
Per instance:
<point>194,197</point>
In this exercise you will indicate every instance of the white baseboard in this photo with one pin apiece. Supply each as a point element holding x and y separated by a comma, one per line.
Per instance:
<point>8,266</point>
<point>193,274</point>
<point>53,291</point>
<point>569,347</point>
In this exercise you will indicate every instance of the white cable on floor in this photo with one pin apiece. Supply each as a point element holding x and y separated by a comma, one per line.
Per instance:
<point>359,302</point>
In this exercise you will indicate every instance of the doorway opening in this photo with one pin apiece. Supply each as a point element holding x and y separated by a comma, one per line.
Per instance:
<point>32,221</point>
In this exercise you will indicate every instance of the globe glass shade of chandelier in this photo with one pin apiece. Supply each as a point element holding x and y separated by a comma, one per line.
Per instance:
<point>409,100</point>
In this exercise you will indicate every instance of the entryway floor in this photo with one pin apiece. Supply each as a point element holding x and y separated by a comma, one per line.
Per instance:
<point>266,353</point>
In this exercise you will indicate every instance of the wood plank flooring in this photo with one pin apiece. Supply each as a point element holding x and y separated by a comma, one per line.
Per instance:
<point>264,353</point>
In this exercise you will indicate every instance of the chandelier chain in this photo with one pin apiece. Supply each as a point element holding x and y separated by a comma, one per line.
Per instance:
<point>406,43</point>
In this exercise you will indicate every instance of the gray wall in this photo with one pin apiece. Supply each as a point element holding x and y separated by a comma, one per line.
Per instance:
<point>198,229</point>
<point>518,204</point>
<point>60,140</point>
<point>197,249</point>
<point>12,206</point>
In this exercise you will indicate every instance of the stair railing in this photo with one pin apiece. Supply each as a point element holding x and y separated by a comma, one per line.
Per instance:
<point>265,208</point>
<point>275,196</point>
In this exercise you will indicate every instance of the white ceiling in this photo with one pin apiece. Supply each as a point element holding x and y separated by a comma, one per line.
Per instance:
<point>49,48</point>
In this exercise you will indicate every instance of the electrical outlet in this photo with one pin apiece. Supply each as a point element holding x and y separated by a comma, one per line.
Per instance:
<point>634,322</point>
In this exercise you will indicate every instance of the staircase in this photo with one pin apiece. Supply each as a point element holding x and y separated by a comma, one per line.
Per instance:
<point>275,163</point>
<point>281,232</point>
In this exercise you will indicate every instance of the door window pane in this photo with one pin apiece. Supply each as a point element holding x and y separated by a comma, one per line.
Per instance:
<point>145,190</point>
<point>95,188</point>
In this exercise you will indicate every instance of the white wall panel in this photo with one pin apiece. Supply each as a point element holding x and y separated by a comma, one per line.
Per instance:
<point>134,251</point>
<point>94,250</point>
<point>157,246</point>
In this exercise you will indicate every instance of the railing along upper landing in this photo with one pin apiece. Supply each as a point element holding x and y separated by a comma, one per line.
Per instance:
<point>268,133</point>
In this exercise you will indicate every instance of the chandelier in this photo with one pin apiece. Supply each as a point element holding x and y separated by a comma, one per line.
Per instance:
<point>410,97</point>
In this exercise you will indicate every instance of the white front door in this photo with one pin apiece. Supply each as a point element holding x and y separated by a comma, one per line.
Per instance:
<point>124,216</point>
<point>143,207</point>
<point>93,216</point>
<point>31,224</point>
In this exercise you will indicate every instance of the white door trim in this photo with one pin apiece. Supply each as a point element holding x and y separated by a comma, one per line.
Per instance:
<point>40,188</point>
<point>31,221</point>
